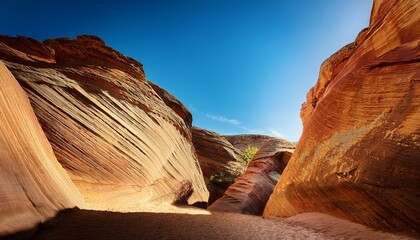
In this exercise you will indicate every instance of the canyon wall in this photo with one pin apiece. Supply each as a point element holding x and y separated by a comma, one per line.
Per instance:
<point>33,185</point>
<point>116,137</point>
<point>267,145</point>
<point>213,150</point>
<point>358,156</point>
<point>215,155</point>
<point>251,191</point>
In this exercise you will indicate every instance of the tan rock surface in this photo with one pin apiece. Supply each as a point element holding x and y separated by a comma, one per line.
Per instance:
<point>109,129</point>
<point>172,102</point>
<point>33,185</point>
<point>267,145</point>
<point>358,157</point>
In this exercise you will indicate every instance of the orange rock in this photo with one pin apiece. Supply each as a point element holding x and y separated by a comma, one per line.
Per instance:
<point>33,185</point>
<point>213,150</point>
<point>118,140</point>
<point>172,102</point>
<point>267,145</point>
<point>358,157</point>
<point>215,154</point>
<point>250,192</point>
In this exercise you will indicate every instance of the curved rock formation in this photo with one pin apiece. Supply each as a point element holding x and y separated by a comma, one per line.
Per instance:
<point>172,102</point>
<point>215,155</point>
<point>267,145</point>
<point>213,150</point>
<point>33,185</point>
<point>251,191</point>
<point>118,140</point>
<point>358,157</point>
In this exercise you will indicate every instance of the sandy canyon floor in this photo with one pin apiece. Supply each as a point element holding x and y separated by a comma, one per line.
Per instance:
<point>170,222</point>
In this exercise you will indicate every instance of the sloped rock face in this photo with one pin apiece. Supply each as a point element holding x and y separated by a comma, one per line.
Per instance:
<point>358,157</point>
<point>214,151</point>
<point>267,145</point>
<point>33,185</point>
<point>251,191</point>
<point>215,155</point>
<point>118,140</point>
<point>172,102</point>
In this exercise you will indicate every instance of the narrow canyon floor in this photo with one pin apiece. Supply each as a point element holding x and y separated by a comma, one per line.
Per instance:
<point>177,222</point>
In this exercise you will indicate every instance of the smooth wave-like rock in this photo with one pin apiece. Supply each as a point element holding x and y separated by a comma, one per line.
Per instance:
<point>33,185</point>
<point>251,191</point>
<point>358,157</point>
<point>118,140</point>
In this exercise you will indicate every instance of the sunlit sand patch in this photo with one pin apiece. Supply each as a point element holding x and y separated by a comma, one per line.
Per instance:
<point>153,208</point>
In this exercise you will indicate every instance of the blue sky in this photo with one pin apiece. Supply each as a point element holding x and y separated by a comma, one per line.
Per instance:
<point>240,66</point>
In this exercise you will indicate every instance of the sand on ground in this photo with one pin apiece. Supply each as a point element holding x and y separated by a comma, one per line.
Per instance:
<point>176,222</point>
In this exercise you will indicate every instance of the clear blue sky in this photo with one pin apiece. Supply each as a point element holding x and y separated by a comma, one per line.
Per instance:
<point>240,66</point>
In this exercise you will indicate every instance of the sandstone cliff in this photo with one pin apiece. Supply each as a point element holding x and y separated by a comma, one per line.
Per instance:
<point>250,192</point>
<point>172,102</point>
<point>33,185</point>
<point>118,140</point>
<point>215,155</point>
<point>213,150</point>
<point>358,157</point>
<point>267,145</point>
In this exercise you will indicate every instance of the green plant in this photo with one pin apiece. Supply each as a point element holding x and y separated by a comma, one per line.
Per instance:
<point>222,178</point>
<point>246,157</point>
<point>234,169</point>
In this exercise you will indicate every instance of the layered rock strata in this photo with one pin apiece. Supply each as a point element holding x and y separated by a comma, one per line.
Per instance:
<point>358,157</point>
<point>33,185</point>
<point>251,191</point>
<point>267,145</point>
<point>213,150</point>
<point>215,155</point>
<point>118,140</point>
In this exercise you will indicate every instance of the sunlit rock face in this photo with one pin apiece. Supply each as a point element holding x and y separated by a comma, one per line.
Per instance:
<point>33,185</point>
<point>118,140</point>
<point>172,102</point>
<point>267,145</point>
<point>358,157</point>
<point>251,191</point>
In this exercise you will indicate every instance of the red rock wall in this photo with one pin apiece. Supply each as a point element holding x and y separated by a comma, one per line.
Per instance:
<point>214,151</point>
<point>267,145</point>
<point>250,192</point>
<point>215,154</point>
<point>33,185</point>
<point>358,156</point>
<point>118,140</point>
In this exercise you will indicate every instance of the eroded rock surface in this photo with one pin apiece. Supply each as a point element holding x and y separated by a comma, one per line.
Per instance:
<point>118,140</point>
<point>33,185</point>
<point>215,155</point>
<point>267,145</point>
<point>213,150</point>
<point>251,191</point>
<point>172,102</point>
<point>358,157</point>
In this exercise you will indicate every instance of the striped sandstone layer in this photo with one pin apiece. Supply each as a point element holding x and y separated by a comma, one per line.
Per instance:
<point>118,140</point>
<point>358,156</point>
<point>33,185</point>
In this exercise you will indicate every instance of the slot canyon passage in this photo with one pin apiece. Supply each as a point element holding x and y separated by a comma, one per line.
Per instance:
<point>91,149</point>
